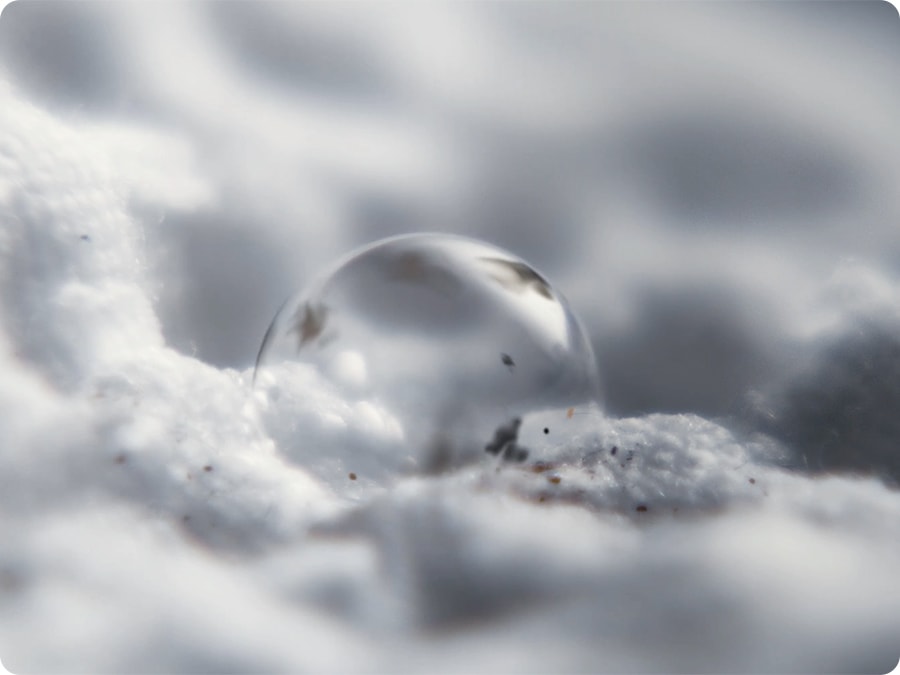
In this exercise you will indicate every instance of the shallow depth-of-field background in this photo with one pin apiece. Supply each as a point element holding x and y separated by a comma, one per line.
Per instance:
<point>713,187</point>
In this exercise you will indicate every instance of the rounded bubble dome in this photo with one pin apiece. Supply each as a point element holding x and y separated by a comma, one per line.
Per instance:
<point>457,338</point>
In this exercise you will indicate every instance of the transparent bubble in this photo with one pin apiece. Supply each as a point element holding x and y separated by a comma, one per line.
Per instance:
<point>457,338</point>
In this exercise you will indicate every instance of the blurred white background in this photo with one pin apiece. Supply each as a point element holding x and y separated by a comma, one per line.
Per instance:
<point>712,185</point>
<point>688,174</point>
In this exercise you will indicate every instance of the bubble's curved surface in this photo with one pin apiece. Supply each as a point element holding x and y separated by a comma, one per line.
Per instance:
<point>453,335</point>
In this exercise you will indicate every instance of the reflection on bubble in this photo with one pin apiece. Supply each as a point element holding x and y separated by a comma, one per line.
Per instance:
<point>455,337</point>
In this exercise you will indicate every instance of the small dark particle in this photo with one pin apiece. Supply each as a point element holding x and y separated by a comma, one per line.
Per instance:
<point>641,508</point>
<point>546,430</point>
<point>185,518</point>
<point>120,458</point>
<point>508,361</point>
<point>554,479</point>
<point>84,237</point>
<point>351,476</point>
<point>614,451</point>
<point>752,481</point>
<point>629,456</point>
<point>208,468</point>
<point>542,498</point>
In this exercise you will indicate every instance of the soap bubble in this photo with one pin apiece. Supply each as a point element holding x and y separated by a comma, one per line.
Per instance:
<point>457,338</point>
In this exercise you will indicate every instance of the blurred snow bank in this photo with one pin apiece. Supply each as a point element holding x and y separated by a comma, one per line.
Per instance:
<point>834,405</point>
<point>157,514</point>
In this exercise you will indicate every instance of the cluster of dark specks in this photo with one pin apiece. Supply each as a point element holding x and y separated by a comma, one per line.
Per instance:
<point>593,457</point>
<point>610,456</point>
<point>505,442</point>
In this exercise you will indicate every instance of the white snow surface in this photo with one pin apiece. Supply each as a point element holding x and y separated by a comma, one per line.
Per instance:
<point>711,186</point>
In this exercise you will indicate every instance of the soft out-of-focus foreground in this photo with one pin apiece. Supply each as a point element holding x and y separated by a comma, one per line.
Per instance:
<point>713,187</point>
